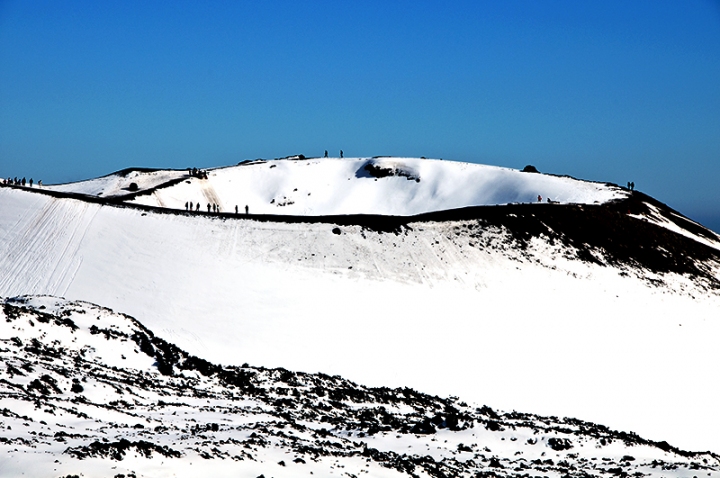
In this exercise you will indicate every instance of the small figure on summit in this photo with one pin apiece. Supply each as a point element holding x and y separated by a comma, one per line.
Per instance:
<point>341,153</point>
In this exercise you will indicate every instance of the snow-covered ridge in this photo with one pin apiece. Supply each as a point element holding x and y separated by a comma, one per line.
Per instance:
<point>334,186</point>
<point>85,391</point>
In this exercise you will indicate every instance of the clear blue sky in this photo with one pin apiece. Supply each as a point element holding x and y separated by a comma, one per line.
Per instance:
<point>605,90</point>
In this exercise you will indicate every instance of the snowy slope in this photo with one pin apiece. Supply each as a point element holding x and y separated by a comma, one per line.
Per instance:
<point>327,186</point>
<point>584,310</point>
<point>120,184</point>
<point>88,392</point>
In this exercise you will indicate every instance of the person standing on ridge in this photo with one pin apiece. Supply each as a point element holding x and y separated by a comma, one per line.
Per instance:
<point>341,153</point>
<point>326,153</point>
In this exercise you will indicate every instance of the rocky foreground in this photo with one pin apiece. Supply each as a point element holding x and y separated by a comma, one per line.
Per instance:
<point>85,391</point>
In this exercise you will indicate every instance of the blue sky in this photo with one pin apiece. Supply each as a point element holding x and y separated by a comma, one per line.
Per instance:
<point>605,90</point>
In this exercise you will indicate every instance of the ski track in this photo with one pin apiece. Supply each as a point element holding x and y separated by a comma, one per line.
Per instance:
<point>210,195</point>
<point>158,199</point>
<point>45,251</point>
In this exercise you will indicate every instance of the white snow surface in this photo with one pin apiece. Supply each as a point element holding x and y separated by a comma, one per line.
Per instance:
<point>529,330</point>
<point>117,184</point>
<point>77,384</point>
<point>329,186</point>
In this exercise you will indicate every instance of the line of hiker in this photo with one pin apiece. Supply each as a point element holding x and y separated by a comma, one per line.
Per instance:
<point>631,185</point>
<point>214,208</point>
<point>18,182</point>
<point>550,201</point>
<point>198,173</point>
<point>341,153</point>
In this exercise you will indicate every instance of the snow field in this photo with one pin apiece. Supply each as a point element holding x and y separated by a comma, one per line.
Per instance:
<point>118,184</point>
<point>428,308</point>
<point>327,186</point>
<point>295,424</point>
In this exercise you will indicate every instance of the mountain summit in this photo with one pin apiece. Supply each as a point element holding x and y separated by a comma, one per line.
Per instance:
<point>334,186</point>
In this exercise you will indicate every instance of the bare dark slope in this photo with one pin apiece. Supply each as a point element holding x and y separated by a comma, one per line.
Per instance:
<point>624,240</point>
<point>612,229</point>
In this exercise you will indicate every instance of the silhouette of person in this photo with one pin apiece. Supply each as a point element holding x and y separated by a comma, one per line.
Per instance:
<point>326,153</point>
<point>341,153</point>
<point>247,209</point>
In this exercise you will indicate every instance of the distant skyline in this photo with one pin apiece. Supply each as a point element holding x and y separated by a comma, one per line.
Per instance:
<point>606,91</point>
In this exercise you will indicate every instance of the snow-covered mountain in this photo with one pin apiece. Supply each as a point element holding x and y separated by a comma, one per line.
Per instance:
<point>446,277</point>
<point>331,186</point>
<point>89,392</point>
